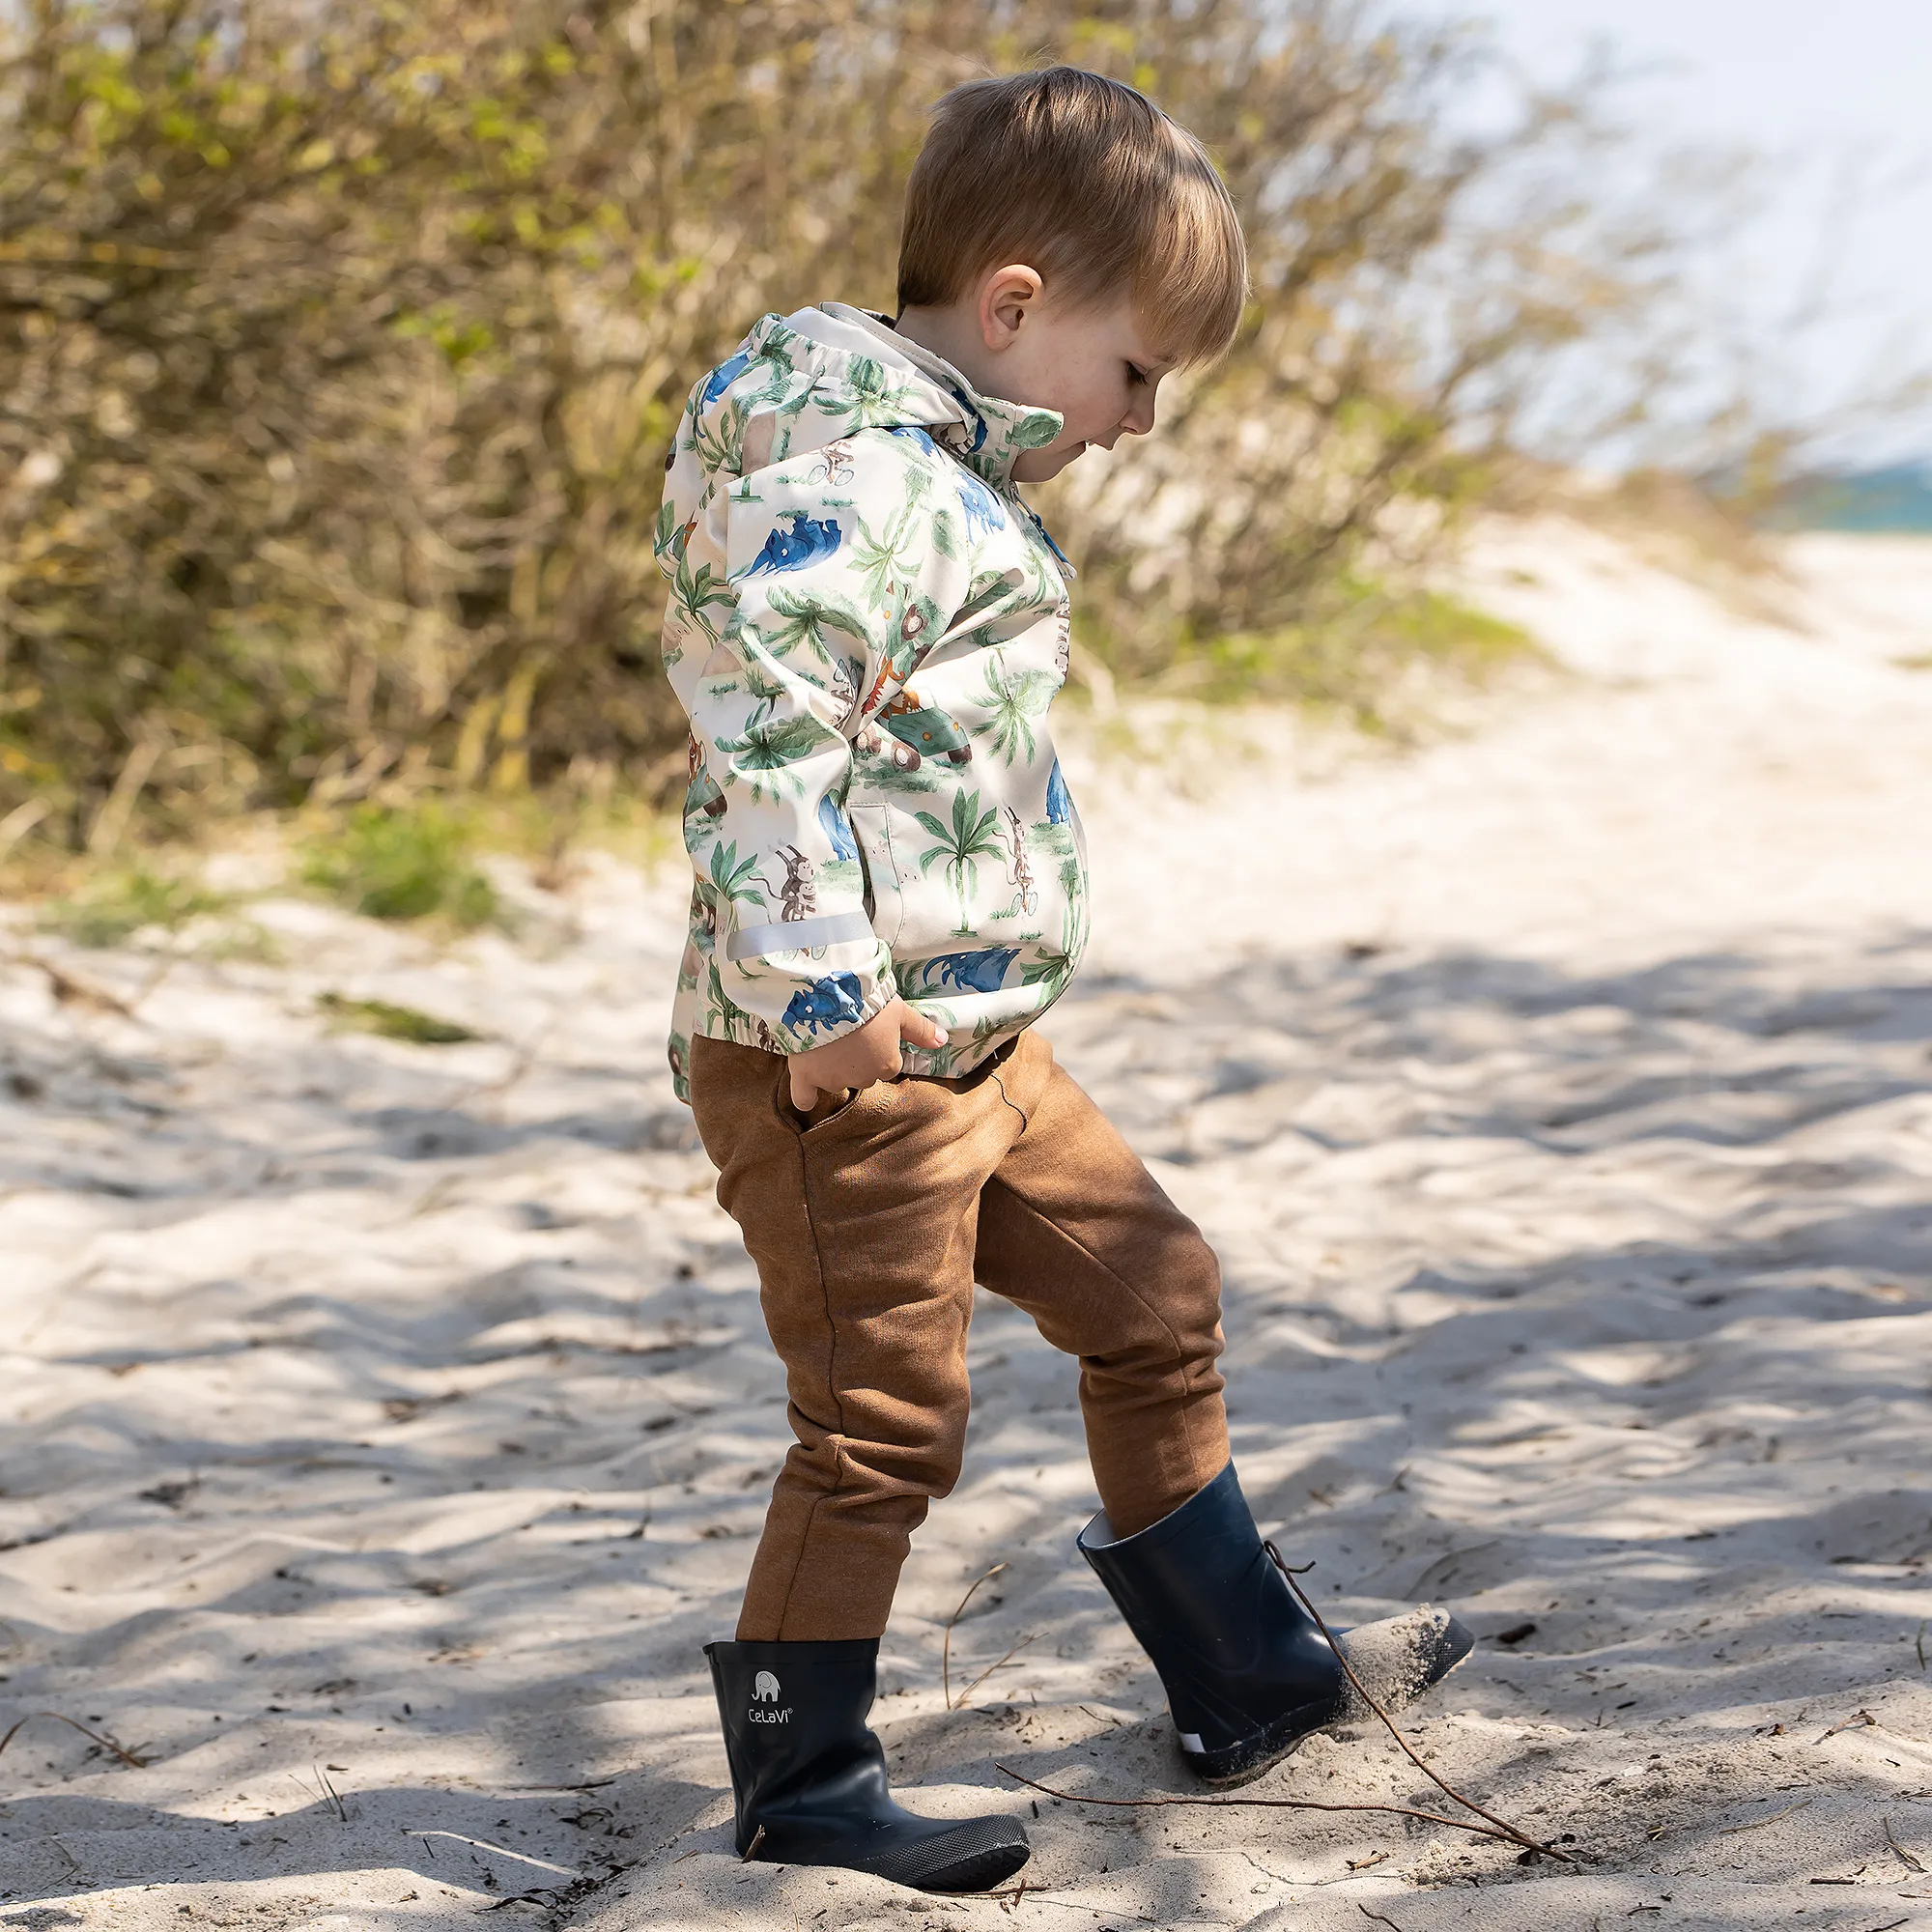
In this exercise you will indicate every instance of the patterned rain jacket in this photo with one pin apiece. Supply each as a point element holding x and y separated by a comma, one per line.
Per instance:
<point>865,626</point>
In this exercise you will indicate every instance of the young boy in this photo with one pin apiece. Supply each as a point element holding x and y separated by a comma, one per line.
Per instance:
<point>867,626</point>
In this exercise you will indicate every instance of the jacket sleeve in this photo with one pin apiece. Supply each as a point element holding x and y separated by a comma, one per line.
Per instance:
<point>836,569</point>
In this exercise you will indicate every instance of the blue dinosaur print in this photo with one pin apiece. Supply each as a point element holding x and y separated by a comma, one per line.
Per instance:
<point>985,514</point>
<point>833,1000</point>
<point>981,972</point>
<point>844,844</point>
<point>722,378</point>
<point>1059,801</point>
<point>807,540</point>
<point>879,582</point>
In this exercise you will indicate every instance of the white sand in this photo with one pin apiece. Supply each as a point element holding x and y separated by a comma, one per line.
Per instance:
<point>1559,1099</point>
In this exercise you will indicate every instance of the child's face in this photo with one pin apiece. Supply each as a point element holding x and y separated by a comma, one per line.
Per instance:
<point>1091,364</point>
<point>1095,368</point>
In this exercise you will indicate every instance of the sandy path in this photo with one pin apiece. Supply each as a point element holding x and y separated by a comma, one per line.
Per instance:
<point>384,1428</point>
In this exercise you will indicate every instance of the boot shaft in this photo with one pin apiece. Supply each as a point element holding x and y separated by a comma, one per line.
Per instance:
<point>1240,1658</point>
<point>794,1713</point>
<point>1199,1579</point>
<point>809,1778</point>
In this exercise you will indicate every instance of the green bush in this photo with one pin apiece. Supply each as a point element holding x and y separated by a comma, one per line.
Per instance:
<point>340,346</point>
<point>401,861</point>
<point>110,906</point>
<point>1356,655</point>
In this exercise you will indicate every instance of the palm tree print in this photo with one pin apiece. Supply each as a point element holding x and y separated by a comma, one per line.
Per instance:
<point>1053,969</point>
<point>972,836</point>
<point>1013,700</point>
<point>890,557</point>
<point>807,621</point>
<point>767,750</point>
<point>871,395</point>
<point>785,677</point>
<point>721,444</point>
<point>883,558</point>
<point>732,878</point>
<point>692,591</point>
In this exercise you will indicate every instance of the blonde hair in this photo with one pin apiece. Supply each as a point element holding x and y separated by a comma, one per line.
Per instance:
<point>1087,180</point>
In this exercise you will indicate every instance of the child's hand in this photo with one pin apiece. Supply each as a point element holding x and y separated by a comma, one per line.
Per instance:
<point>863,1056</point>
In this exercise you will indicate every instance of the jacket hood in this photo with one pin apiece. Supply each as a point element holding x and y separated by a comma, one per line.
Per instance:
<point>853,371</point>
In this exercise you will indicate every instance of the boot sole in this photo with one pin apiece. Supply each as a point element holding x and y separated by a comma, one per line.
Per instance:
<point>1224,1770</point>
<point>1245,1762</point>
<point>977,1871</point>
<point>976,1856</point>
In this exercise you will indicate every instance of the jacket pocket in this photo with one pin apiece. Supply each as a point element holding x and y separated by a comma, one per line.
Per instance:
<point>928,914</point>
<point>885,899</point>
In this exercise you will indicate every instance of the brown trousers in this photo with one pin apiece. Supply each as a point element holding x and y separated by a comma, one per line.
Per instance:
<point>869,1225</point>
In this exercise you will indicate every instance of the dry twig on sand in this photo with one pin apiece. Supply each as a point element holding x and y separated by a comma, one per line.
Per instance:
<point>126,1757</point>
<point>1756,1824</point>
<point>1910,1860</point>
<point>330,1796</point>
<point>1258,1803</point>
<point>1847,1724</point>
<point>1518,1837</point>
<point>1031,1637</point>
<point>484,1845</point>
<point>946,1647</point>
<point>1499,1828</point>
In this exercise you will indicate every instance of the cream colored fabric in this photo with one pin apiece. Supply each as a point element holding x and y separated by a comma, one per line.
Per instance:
<point>865,628</point>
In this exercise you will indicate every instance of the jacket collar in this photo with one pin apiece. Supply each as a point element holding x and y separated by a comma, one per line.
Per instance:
<point>987,433</point>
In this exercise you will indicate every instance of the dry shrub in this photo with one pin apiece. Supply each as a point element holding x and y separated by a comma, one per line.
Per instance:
<point>340,343</point>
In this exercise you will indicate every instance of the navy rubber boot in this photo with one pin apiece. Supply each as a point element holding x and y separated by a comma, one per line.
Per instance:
<point>1247,1671</point>
<point>809,1777</point>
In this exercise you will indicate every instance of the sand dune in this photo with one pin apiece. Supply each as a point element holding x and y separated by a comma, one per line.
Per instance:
<point>384,1428</point>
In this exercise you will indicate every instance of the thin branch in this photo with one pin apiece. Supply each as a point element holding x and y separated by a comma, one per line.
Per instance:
<point>1758,1824</point>
<point>1910,1860</point>
<point>946,1648</point>
<point>1260,1804</point>
<point>1362,1690</point>
<point>1030,1638</point>
<point>1848,1723</point>
<point>74,1724</point>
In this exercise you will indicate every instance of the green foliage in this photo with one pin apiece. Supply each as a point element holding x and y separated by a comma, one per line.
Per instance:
<point>340,346</point>
<point>1355,655</point>
<point>401,861</point>
<point>393,1022</point>
<point>972,836</point>
<point>110,906</point>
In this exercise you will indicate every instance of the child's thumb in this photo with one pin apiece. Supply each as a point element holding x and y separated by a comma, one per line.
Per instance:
<point>921,1031</point>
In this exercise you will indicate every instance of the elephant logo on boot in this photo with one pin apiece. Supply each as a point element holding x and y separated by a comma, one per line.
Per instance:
<point>765,1690</point>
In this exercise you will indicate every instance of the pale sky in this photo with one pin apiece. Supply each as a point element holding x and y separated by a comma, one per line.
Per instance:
<point>1837,95</point>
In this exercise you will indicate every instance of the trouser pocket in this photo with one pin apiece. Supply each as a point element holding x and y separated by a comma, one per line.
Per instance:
<point>826,1109</point>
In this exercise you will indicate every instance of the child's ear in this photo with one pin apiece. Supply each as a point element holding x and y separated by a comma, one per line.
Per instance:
<point>1007,297</point>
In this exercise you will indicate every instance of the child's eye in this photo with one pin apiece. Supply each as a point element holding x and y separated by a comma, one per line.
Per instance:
<point>1136,375</point>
